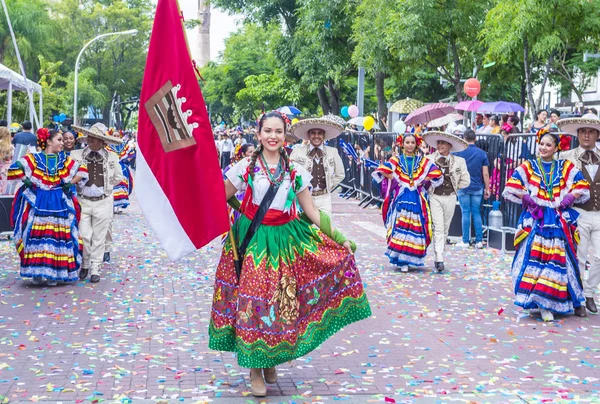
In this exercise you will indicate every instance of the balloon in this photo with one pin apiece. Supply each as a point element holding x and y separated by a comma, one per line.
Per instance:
<point>55,118</point>
<point>353,111</point>
<point>295,120</point>
<point>472,87</point>
<point>344,112</point>
<point>400,127</point>
<point>62,117</point>
<point>368,123</point>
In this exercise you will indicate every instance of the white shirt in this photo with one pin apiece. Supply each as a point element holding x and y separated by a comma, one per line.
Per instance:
<point>261,183</point>
<point>240,141</point>
<point>226,145</point>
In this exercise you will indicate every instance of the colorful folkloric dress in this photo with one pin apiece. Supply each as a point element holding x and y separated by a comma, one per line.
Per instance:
<point>297,287</point>
<point>545,270</point>
<point>407,219</point>
<point>45,214</point>
<point>122,191</point>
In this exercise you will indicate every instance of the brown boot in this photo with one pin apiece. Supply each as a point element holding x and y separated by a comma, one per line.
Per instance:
<point>270,375</point>
<point>580,311</point>
<point>257,383</point>
<point>591,305</point>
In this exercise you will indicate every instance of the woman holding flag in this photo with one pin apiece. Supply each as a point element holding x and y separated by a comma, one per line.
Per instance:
<point>406,211</point>
<point>282,286</point>
<point>545,271</point>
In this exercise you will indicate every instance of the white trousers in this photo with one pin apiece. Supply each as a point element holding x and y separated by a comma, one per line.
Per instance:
<point>323,202</point>
<point>442,210</point>
<point>95,220</point>
<point>589,232</point>
<point>109,237</point>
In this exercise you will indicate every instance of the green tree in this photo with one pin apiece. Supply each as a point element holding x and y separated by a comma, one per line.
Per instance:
<point>33,30</point>
<point>439,35</point>
<point>118,61</point>
<point>263,11</point>
<point>371,50</point>
<point>323,48</point>
<point>547,37</point>
<point>248,53</point>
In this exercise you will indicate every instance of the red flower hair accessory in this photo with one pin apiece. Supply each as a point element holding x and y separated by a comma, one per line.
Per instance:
<point>43,134</point>
<point>399,140</point>
<point>418,138</point>
<point>564,141</point>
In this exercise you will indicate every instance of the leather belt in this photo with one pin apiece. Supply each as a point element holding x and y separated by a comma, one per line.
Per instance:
<point>92,198</point>
<point>320,192</point>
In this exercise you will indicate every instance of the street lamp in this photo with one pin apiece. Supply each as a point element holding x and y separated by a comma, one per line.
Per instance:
<point>129,32</point>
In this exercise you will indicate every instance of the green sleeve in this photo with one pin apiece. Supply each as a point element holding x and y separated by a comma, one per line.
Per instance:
<point>326,228</point>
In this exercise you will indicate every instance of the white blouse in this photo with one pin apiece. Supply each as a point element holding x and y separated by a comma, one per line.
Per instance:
<point>261,182</point>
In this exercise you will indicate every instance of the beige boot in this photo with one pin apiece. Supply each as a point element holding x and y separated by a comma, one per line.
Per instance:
<point>270,375</point>
<point>257,383</point>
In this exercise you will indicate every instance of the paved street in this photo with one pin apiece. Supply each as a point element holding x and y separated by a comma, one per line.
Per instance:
<point>141,333</point>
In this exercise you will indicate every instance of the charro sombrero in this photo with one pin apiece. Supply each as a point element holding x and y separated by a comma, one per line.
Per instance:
<point>572,125</point>
<point>332,129</point>
<point>97,130</point>
<point>432,137</point>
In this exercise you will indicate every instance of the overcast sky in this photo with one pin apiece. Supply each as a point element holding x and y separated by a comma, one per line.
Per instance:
<point>221,25</point>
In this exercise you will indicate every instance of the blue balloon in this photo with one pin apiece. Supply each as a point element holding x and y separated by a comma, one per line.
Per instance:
<point>55,118</point>
<point>344,112</point>
<point>62,117</point>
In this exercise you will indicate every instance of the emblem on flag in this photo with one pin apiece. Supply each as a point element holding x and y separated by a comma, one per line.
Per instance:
<point>168,118</point>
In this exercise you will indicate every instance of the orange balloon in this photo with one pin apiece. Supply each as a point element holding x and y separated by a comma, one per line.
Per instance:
<point>472,87</point>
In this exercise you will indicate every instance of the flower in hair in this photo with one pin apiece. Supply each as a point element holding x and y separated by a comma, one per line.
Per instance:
<point>564,142</point>
<point>540,134</point>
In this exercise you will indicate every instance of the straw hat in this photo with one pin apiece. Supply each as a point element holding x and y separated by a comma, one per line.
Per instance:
<point>457,144</point>
<point>99,131</point>
<point>332,129</point>
<point>572,125</point>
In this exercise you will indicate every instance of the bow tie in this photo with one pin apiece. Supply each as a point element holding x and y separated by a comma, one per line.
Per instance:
<point>442,162</point>
<point>589,157</point>
<point>316,152</point>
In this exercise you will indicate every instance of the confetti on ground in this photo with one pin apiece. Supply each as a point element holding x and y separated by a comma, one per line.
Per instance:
<point>142,333</point>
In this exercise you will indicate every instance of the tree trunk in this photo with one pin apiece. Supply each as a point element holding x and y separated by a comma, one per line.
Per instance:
<point>322,95</point>
<point>334,97</point>
<point>457,70</point>
<point>523,98</point>
<point>544,81</point>
<point>381,101</point>
<point>528,84</point>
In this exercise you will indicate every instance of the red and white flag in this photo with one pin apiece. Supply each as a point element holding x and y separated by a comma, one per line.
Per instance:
<point>179,181</point>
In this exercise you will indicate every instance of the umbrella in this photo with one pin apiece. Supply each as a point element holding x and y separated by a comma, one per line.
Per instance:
<point>405,106</point>
<point>289,110</point>
<point>472,105</point>
<point>500,107</point>
<point>335,119</point>
<point>436,123</point>
<point>359,121</point>
<point>428,113</point>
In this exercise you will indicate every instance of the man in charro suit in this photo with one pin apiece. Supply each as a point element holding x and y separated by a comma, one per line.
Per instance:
<point>442,200</point>
<point>322,162</point>
<point>586,158</point>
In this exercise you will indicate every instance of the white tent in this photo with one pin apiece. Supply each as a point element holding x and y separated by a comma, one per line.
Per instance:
<point>13,81</point>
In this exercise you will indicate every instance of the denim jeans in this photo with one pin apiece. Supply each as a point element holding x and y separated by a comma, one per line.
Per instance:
<point>470,204</point>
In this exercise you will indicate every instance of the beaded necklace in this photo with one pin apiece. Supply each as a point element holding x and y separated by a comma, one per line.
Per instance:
<point>274,175</point>
<point>51,158</point>
<point>548,178</point>
<point>410,168</point>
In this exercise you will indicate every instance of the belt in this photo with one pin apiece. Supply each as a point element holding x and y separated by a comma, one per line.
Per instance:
<point>320,192</point>
<point>92,198</point>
